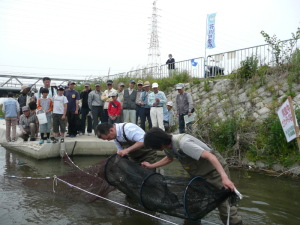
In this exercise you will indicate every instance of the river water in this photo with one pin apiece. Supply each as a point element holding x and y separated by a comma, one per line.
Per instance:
<point>267,200</point>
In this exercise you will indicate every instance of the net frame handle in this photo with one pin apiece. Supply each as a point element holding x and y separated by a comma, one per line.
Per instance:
<point>105,168</point>
<point>184,197</point>
<point>141,188</point>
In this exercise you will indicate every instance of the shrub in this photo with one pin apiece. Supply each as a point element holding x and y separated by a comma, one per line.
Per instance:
<point>248,68</point>
<point>270,142</point>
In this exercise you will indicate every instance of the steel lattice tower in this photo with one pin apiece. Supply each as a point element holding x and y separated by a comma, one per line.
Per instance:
<point>154,53</point>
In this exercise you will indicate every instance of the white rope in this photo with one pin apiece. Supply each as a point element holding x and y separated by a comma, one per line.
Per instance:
<point>56,178</point>
<point>54,182</point>
<point>29,178</point>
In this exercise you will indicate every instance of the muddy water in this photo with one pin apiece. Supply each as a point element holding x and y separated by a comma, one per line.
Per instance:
<point>267,200</point>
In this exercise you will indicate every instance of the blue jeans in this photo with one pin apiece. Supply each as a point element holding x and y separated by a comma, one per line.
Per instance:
<point>84,112</point>
<point>105,116</point>
<point>138,113</point>
<point>145,114</point>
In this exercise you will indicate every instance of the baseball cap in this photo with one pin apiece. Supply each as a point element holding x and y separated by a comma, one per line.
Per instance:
<point>132,81</point>
<point>53,84</point>
<point>155,85</point>
<point>146,84</point>
<point>25,108</point>
<point>97,85</point>
<point>71,82</point>
<point>140,82</point>
<point>121,84</point>
<point>109,82</point>
<point>113,94</point>
<point>60,87</point>
<point>170,103</point>
<point>87,84</point>
<point>179,86</point>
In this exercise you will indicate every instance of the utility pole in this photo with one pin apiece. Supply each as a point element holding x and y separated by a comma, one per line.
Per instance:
<point>154,61</point>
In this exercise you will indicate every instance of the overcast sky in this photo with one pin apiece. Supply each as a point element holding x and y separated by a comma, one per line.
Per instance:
<point>87,38</point>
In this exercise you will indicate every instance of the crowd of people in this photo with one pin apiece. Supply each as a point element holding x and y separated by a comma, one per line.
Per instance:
<point>80,113</point>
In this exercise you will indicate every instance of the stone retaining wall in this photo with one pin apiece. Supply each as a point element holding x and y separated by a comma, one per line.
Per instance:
<point>221,98</point>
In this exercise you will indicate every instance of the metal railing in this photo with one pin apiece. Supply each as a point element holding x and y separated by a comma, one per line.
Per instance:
<point>216,65</point>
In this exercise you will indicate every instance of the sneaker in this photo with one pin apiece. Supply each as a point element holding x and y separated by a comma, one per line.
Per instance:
<point>62,140</point>
<point>89,134</point>
<point>52,138</point>
<point>32,139</point>
<point>26,139</point>
<point>71,135</point>
<point>48,141</point>
<point>54,141</point>
<point>41,142</point>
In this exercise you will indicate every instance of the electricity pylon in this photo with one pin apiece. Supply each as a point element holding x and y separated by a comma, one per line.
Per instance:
<point>154,52</point>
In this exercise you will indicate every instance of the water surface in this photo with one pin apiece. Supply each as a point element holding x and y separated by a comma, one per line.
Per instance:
<point>267,200</point>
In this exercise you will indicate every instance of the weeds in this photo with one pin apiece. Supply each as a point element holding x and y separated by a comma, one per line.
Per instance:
<point>1,112</point>
<point>281,50</point>
<point>248,68</point>
<point>207,87</point>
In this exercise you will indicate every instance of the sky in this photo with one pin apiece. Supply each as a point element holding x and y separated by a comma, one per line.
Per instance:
<point>91,38</point>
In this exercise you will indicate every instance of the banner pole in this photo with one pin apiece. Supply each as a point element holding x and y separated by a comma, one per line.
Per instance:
<point>204,60</point>
<point>294,120</point>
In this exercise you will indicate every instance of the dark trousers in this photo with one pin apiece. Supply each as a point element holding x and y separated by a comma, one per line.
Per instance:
<point>84,112</point>
<point>73,120</point>
<point>138,113</point>
<point>117,120</point>
<point>97,111</point>
<point>182,124</point>
<point>145,114</point>
<point>105,116</point>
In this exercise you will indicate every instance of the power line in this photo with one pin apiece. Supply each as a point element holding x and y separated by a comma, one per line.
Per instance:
<point>52,68</point>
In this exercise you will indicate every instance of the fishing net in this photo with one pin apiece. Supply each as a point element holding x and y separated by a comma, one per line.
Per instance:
<point>89,179</point>
<point>176,196</point>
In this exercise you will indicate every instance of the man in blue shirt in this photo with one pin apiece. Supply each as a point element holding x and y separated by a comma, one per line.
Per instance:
<point>11,109</point>
<point>145,110</point>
